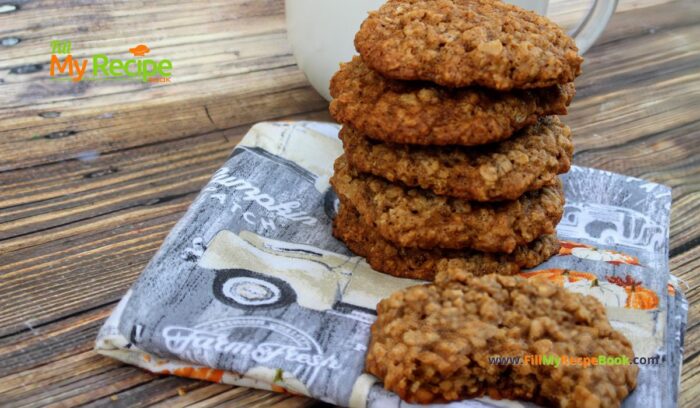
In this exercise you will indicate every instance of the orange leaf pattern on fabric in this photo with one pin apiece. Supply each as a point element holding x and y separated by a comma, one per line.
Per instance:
<point>200,373</point>
<point>641,298</point>
<point>585,251</point>
<point>558,276</point>
<point>635,296</point>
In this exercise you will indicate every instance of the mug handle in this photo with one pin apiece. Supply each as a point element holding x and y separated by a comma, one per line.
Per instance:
<point>592,25</point>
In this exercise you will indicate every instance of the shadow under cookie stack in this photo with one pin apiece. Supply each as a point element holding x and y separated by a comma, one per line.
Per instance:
<point>452,146</point>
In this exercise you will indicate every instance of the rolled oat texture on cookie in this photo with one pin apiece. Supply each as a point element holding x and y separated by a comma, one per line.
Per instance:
<point>388,258</point>
<point>457,43</point>
<point>417,218</point>
<point>432,343</point>
<point>529,161</point>
<point>425,114</point>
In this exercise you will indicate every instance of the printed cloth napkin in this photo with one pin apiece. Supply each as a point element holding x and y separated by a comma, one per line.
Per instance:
<point>250,288</point>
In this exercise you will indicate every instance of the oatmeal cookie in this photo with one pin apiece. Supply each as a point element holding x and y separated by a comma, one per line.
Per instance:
<point>502,171</point>
<point>413,263</point>
<point>458,43</point>
<point>417,218</point>
<point>432,343</point>
<point>425,114</point>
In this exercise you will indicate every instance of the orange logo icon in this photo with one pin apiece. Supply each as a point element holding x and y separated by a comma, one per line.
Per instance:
<point>140,50</point>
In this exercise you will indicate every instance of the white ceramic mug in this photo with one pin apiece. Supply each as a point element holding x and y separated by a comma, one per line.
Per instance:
<point>322,32</point>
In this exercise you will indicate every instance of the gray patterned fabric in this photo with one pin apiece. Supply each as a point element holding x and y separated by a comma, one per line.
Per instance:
<point>251,284</point>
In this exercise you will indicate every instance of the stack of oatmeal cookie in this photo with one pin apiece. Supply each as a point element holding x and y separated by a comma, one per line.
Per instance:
<point>452,143</point>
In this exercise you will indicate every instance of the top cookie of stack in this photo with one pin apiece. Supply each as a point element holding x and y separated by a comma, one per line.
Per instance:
<point>458,43</point>
<point>451,147</point>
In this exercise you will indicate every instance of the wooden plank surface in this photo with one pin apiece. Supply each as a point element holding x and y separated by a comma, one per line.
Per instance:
<point>93,175</point>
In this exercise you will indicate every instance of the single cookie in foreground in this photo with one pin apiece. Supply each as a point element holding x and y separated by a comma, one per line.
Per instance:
<point>433,343</point>
<point>425,114</point>
<point>386,257</point>
<point>458,43</point>
<point>502,171</point>
<point>417,218</point>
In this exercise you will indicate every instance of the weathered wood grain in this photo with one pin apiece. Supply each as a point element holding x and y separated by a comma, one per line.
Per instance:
<point>232,66</point>
<point>93,175</point>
